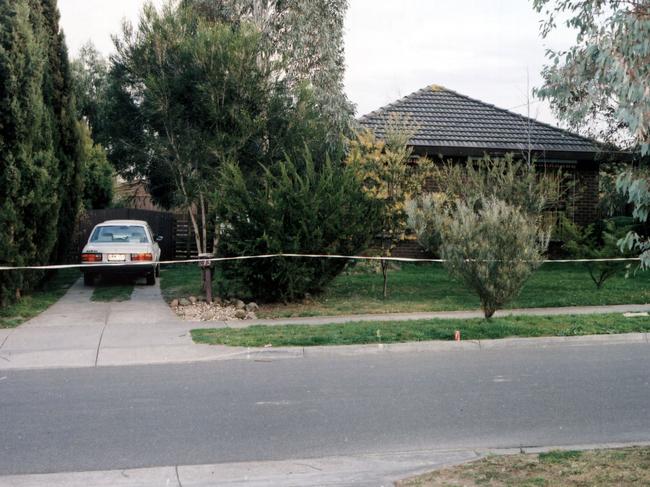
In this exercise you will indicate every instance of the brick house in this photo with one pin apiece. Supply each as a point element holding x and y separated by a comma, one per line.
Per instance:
<point>451,126</point>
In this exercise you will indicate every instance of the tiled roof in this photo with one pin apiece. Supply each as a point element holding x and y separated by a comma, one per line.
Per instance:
<point>444,118</point>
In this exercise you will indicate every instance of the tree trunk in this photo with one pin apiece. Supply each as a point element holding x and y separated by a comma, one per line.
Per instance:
<point>207,270</point>
<point>488,311</point>
<point>207,278</point>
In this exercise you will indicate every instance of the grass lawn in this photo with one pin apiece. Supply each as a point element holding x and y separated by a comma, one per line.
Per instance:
<point>420,330</point>
<point>620,467</point>
<point>427,287</point>
<point>180,280</point>
<point>38,300</point>
<point>112,290</point>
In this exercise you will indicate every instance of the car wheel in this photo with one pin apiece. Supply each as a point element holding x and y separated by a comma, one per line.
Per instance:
<point>151,279</point>
<point>89,279</point>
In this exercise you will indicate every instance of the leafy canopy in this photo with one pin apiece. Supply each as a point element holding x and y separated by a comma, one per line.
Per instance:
<point>604,78</point>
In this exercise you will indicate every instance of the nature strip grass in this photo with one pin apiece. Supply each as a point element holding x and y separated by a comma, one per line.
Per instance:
<point>621,467</point>
<point>38,300</point>
<point>421,330</point>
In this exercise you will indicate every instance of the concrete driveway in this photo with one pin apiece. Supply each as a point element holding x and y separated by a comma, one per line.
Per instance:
<point>77,332</point>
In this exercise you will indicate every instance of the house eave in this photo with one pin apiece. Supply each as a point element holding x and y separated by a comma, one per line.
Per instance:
<point>434,151</point>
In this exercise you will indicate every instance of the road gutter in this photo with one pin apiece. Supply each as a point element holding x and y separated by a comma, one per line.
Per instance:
<point>362,469</point>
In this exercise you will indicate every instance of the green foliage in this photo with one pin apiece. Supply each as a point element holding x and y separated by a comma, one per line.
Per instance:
<point>493,250</point>
<point>611,201</point>
<point>636,186</point>
<point>604,77</point>
<point>28,175</point>
<point>40,178</point>
<point>428,287</point>
<point>424,219</point>
<point>97,172</point>
<point>603,81</point>
<point>192,89</point>
<point>90,81</point>
<point>306,40</point>
<point>596,241</point>
<point>58,93</point>
<point>292,208</point>
<point>488,224</point>
<point>196,92</point>
<point>388,176</point>
<point>515,182</point>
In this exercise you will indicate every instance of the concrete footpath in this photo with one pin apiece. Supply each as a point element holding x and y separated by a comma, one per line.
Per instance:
<point>76,332</point>
<point>370,470</point>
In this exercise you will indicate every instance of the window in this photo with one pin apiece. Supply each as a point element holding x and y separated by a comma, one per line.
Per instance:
<point>119,234</point>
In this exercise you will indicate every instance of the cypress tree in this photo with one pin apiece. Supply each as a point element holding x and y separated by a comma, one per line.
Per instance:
<point>58,92</point>
<point>40,150</point>
<point>28,167</point>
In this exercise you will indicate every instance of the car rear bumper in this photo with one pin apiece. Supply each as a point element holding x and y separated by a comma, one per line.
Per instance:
<point>120,270</point>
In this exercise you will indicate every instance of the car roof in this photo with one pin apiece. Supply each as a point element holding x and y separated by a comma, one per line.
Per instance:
<point>123,222</point>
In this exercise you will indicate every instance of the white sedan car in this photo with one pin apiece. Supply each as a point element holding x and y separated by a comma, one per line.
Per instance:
<point>129,243</point>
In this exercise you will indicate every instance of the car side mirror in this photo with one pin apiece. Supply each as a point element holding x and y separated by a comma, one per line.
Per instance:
<point>159,238</point>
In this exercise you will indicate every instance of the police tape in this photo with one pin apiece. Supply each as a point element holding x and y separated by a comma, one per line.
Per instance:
<point>205,261</point>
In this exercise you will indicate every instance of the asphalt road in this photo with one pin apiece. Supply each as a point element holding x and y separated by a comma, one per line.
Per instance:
<point>126,417</point>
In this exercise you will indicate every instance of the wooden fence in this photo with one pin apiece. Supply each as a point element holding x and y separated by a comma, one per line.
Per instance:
<point>184,242</point>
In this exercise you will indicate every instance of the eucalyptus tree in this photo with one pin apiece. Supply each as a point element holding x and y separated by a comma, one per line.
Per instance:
<point>90,78</point>
<point>603,80</point>
<point>306,37</point>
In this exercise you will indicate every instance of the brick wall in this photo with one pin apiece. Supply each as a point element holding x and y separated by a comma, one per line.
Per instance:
<point>410,248</point>
<point>586,205</point>
<point>582,204</point>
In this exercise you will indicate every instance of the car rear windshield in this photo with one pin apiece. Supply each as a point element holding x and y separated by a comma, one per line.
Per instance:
<point>119,234</point>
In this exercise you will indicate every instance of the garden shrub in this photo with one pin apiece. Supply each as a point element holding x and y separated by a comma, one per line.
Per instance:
<point>384,167</point>
<point>516,182</point>
<point>292,208</point>
<point>423,219</point>
<point>488,223</point>
<point>597,241</point>
<point>493,250</point>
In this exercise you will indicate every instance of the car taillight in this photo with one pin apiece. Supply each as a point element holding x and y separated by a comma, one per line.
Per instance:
<point>141,257</point>
<point>91,257</point>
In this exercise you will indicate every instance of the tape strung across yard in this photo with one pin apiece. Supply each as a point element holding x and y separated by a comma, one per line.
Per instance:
<point>273,256</point>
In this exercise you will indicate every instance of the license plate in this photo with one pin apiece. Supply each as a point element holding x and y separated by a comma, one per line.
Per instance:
<point>116,257</point>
